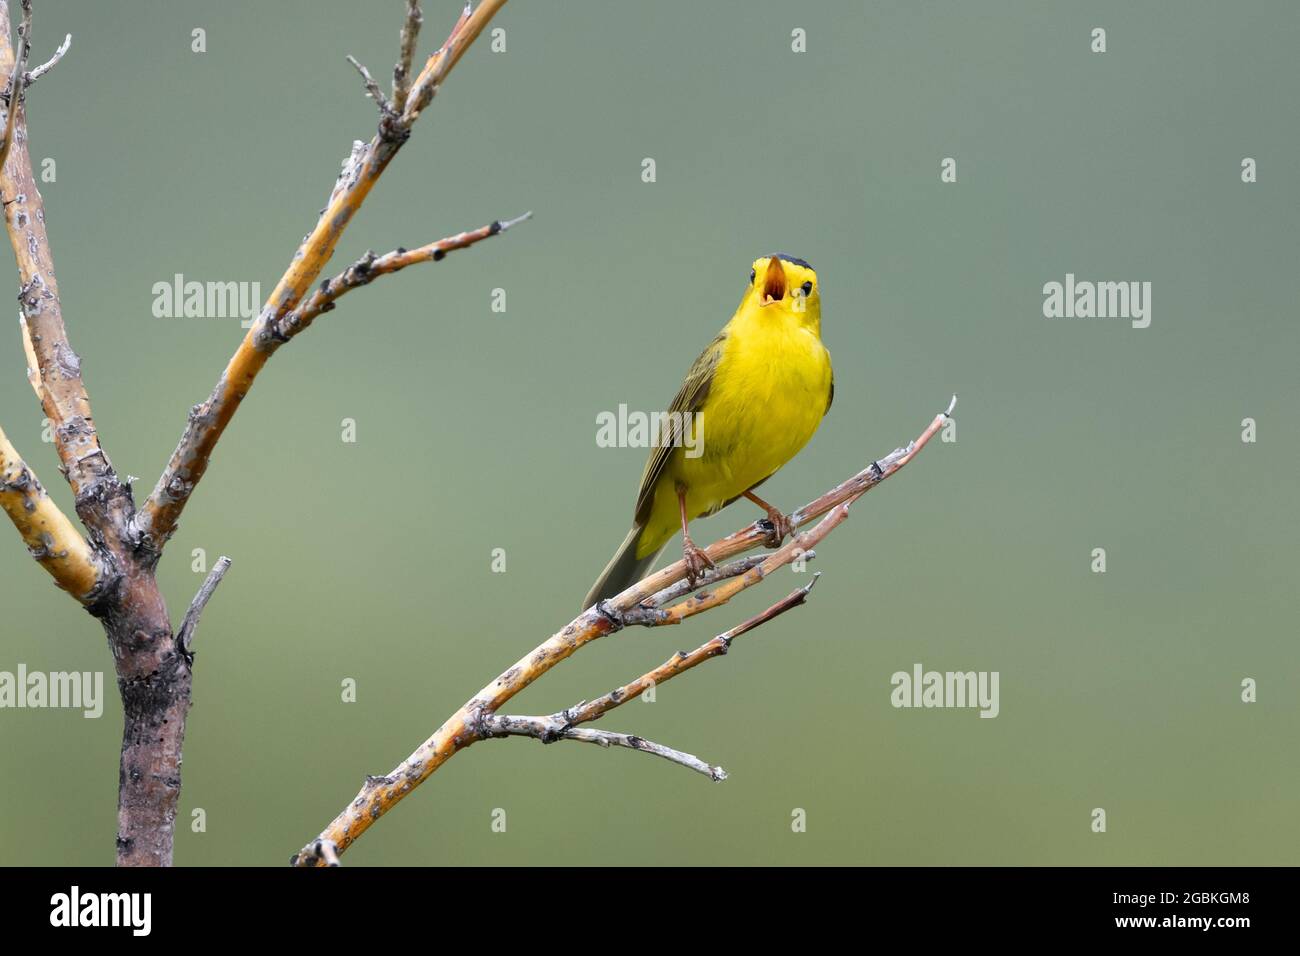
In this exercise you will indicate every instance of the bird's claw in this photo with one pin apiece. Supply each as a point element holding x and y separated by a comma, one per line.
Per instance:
<point>779,527</point>
<point>697,561</point>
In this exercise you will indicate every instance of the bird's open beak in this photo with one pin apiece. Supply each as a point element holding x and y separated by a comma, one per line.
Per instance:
<point>773,282</point>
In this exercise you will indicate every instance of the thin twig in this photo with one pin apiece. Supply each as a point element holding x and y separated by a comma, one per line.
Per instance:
<point>703,580</point>
<point>549,729</point>
<point>190,624</point>
<point>372,88</point>
<point>681,662</point>
<point>370,267</point>
<point>466,725</point>
<point>14,92</point>
<point>33,75</point>
<point>445,58</point>
<point>564,725</point>
<point>406,54</point>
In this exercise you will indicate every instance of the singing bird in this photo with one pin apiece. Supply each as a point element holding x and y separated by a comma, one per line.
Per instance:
<point>756,395</point>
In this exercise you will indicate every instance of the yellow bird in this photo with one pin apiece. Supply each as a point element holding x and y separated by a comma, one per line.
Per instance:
<point>754,397</point>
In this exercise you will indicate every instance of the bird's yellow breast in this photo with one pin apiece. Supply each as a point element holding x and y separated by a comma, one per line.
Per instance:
<point>768,395</point>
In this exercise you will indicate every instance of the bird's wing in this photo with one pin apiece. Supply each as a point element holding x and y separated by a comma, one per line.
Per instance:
<point>690,398</point>
<point>830,397</point>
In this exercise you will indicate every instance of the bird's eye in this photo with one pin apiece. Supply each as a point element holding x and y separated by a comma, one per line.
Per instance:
<point>807,288</point>
<point>751,275</point>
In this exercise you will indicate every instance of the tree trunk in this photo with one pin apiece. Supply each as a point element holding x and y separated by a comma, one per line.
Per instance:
<point>153,671</point>
<point>154,679</point>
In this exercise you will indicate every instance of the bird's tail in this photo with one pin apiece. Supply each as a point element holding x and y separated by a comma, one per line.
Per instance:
<point>623,570</point>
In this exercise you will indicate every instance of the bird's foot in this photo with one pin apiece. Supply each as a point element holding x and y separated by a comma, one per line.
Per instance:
<point>779,528</point>
<point>697,561</point>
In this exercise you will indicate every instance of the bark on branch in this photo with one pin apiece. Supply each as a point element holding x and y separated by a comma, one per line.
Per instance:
<point>50,537</point>
<point>98,493</point>
<point>642,604</point>
<point>406,54</point>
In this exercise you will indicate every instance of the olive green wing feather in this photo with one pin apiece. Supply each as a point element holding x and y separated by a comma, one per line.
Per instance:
<point>689,399</point>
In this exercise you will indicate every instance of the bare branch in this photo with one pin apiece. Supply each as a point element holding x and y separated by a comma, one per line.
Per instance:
<point>472,721</point>
<point>102,501</point>
<point>153,679</point>
<point>445,58</point>
<point>709,576</point>
<point>406,54</point>
<point>157,518</point>
<point>50,537</point>
<point>13,95</point>
<point>563,726</point>
<point>370,267</point>
<point>34,75</point>
<point>681,662</point>
<point>549,729</point>
<point>190,624</point>
<point>372,88</point>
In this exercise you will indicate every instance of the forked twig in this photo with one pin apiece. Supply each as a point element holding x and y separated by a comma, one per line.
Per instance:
<point>157,517</point>
<point>564,725</point>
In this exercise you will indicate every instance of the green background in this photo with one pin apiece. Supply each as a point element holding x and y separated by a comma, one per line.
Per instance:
<point>476,430</point>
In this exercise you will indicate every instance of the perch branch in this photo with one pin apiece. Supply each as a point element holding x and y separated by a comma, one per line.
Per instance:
<point>470,723</point>
<point>157,518</point>
<point>190,623</point>
<point>370,267</point>
<point>709,576</point>
<point>51,538</point>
